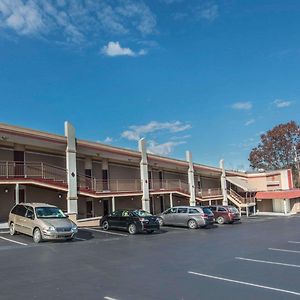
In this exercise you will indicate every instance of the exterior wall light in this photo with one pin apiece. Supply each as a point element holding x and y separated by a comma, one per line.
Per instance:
<point>59,195</point>
<point>6,190</point>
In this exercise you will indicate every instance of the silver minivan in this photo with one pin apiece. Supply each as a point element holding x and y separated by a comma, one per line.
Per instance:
<point>190,216</point>
<point>41,221</point>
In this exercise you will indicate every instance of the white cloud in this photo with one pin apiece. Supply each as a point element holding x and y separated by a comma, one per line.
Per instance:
<point>249,122</point>
<point>136,132</point>
<point>163,131</point>
<point>208,11</point>
<point>115,49</point>
<point>242,105</point>
<point>163,148</point>
<point>24,18</point>
<point>76,22</point>
<point>282,103</point>
<point>108,140</point>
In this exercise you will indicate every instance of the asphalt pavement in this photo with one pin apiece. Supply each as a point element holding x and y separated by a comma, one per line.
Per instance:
<point>257,259</point>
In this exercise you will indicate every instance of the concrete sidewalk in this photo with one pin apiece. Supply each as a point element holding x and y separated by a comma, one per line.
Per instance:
<point>4,226</point>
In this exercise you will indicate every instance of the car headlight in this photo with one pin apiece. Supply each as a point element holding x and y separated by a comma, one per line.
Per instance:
<point>74,227</point>
<point>51,228</point>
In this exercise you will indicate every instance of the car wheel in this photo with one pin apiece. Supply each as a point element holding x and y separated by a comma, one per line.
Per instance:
<point>12,229</point>
<point>37,236</point>
<point>160,221</point>
<point>132,229</point>
<point>220,220</point>
<point>192,224</point>
<point>105,225</point>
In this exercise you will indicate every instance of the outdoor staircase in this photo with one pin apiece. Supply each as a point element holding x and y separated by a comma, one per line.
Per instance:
<point>242,203</point>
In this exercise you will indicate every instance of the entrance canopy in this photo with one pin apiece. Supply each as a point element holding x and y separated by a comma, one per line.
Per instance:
<point>288,194</point>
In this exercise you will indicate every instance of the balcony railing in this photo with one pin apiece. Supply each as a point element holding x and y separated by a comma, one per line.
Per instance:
<point>44,171</point>
<point>209,192</point>
<point>169,184</point>
<point>37,170</point>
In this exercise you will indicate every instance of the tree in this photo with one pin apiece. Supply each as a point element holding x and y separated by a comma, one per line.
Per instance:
<point>278,149</point>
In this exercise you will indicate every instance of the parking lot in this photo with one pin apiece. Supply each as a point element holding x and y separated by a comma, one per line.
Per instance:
<point>259,258</point>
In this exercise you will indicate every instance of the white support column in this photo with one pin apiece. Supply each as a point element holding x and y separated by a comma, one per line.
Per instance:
<point>254,209</point>
<point>223,183</point>
<point>144,175</point>
<point>17,191</point>
<point>171,200</point>
<point>71,169</point>
<point>247,211</point>
<point>284,206</point>
<point>191,178</point>
<point>113,204</point>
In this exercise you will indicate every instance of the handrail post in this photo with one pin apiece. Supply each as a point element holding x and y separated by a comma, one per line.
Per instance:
<point>7,170</point>
<point>42,169</point>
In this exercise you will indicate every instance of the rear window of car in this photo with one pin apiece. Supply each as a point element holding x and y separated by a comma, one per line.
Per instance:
<point>206,210</point>
<point>221,209</point>
<point>233,210</point>
<point>140,213</point>
<point>19,210</point>
<point>117,213</point>
<point>193,211</point>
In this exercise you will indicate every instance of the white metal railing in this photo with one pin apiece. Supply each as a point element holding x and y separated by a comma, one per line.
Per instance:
<point>241,199</point>
<point>168,184</point>
<point>11,169</point>
<point>209,192</point>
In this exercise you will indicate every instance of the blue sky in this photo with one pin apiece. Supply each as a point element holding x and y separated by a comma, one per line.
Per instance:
<point>206,76</point>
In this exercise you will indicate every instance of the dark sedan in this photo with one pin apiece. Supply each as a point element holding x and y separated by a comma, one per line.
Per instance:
<point>132,220</point>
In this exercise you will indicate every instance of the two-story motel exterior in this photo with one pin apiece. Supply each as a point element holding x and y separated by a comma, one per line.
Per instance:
<point>89,179</point>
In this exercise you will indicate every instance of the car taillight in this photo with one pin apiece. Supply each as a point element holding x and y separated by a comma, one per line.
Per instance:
<point>205,216</point>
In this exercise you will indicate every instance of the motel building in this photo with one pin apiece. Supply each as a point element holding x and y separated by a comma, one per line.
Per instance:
<point>88,179</point>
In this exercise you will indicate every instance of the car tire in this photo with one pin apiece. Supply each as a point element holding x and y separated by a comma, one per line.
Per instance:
<point>160,222</point>
<point>12,229</point>
<point>220,220</point>
<point>192,224</point>
<point>132,229</point>
<point>37,235</point>
<point>105,225</point>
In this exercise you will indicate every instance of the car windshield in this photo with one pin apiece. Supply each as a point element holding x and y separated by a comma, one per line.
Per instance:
<point>233,210</point>
<point>141,213</point>
<point>49,212</point>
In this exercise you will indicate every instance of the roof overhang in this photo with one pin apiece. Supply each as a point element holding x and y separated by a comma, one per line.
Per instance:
<point>241,183</point>
<point>288,194</point>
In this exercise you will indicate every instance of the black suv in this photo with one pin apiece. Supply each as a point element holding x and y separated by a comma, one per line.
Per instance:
<point>132,220</point>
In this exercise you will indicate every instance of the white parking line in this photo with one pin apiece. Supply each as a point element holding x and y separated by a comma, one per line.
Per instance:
<point>268,262</point>
<point>284,250</point>
<point>1,232</point>
<point>104,231</point>
<point>109,298</point>
<point>246,283</point>
<point>3,238</point>
<point>293,242</point>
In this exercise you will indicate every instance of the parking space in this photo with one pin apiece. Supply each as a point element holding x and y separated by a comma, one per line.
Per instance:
<point>253,259</point>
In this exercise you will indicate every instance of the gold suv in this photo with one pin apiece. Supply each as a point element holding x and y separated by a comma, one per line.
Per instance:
<point>41,221</point>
